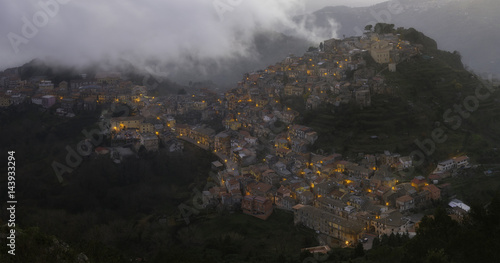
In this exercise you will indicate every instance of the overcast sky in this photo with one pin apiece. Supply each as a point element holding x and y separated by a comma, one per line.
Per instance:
<point>77,31</point>
<point>313,5</point>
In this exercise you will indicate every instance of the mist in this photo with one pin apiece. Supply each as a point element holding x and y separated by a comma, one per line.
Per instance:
<point>173,37</point>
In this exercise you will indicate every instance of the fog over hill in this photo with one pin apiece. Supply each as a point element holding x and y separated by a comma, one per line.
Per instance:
<point>197,40</point>
<point>471,27</point>
<point>180,40</point>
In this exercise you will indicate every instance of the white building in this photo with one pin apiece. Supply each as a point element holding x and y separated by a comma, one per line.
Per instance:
<point>48,101</point>
<point>461,161</point>
<point>36,100</point>
<point>445,166</point>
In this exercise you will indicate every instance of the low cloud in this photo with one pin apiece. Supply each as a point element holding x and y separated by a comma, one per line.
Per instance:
<point>74,32</point>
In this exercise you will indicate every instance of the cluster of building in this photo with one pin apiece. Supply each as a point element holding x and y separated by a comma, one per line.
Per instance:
<point>335,197</point>
<point>108,89</point>
<point>82,94</point>
<point>265,160</point>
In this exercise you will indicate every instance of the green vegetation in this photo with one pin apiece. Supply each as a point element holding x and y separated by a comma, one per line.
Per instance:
<point>350,130</point>
<point>423,88</point>
<point>474,188</point>
<point>57,74</point>
<point>416,37</point>
<point>101,204</point>
<point>36,247</point>
<point>39,138</point>
<point>113,212</point>
<point>383,28</point>
<point>441,239</point>
<point>239,238</point>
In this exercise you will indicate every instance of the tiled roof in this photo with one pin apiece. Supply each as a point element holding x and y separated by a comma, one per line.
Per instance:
<point>404,198</point>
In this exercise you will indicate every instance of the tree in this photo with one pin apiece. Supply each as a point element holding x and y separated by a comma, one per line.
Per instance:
<point>182,91</point>
<point>321,46</point>
<point>437,232</point>
<point>383,28</point>
<point>368,28</point>
<point>359,250</point>
<point>393,242</point>
<point>281,258</point>
<point>405,237</point>
<point>456,53</point>
<point>311,49</point>
<point>384,240</point>
<point>121,110</point>
<point>436,256</point>
<point>376,242</point>
<point>142,152</point>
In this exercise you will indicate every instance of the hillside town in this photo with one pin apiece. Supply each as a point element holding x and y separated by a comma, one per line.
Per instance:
<point>265,158</point>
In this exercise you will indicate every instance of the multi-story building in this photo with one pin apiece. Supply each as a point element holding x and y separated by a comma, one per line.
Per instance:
<point>395,223</point>
<point>331,205</point>
<point>146,127</point>
<point>150,141</point>
<point>203,136</point>
<point>257,206</point>
<point>293,90</point>
<point>121,123</point>
<point>328,223</point>
<point>5,101</point>
<point>222,143</point>
<point>182,130</point>
<point>380,51</point>
<point>108,78</point>
<point>260,189</point>
<point>405,203</point>
<point>170,122</point>
<point>445,166</point>
<point>298,131</point>
<point>435,192</point>
<point>45,85</point>
<point>461,161</point>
